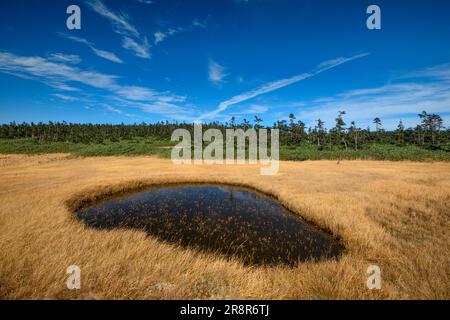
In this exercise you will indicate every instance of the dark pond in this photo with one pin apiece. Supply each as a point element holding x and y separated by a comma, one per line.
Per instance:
<point>231,221</point>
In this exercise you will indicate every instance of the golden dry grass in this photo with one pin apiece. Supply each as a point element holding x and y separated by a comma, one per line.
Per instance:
<point>395,215</point>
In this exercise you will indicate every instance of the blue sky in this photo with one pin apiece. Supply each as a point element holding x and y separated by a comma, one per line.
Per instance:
<point>140,60</point>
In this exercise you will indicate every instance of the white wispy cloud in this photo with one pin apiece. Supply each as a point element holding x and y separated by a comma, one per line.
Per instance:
<point>65,58</point>
<point>61,86</point>
<point>119,112</point>
<point>216,73</point>
<point>131,38</point>
<point>118,20</point>
<point>141,50</point>
<point>107,55</point>
<point>161,35</point>
<point>201,24</point>
<point>136,93</point>
<point>253,110</point>
<point>112,109</point>
<point>100,53</point>
<point>145,1</point>
<point>275,85</point>
<point>64,76</point>
<point>169,108</point>
<point>441,71</point>
<point>40,68</point>
<point>64,97</point>
<point>427,89</point>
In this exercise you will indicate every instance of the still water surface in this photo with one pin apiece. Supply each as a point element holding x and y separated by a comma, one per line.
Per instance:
<point>230,221</point>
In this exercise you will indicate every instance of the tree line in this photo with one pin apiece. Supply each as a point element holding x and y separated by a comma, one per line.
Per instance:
<point>430,132</point>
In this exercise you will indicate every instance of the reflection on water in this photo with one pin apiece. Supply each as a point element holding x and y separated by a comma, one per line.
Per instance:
<point>231,221</point>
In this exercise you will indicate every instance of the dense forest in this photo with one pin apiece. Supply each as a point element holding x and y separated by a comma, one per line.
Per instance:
<point>430,133</point>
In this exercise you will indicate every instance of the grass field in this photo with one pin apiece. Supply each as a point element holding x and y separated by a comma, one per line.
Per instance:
<point>161,148</point>
<point>123,147</point>
<point>392,214</point>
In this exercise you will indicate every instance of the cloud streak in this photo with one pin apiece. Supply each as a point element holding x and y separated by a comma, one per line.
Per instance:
<point>428,90</point>
<point>253,110</point>
<point>276,85</point>
<point>65,58</point>
<point>160,36</point>
<point>64,97</point>
<point>141,50</point>
<point>216,73</point>
<point>147,2</point>
<point>100,53</point>
<point>63,77</point>
<point>131,38</point>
